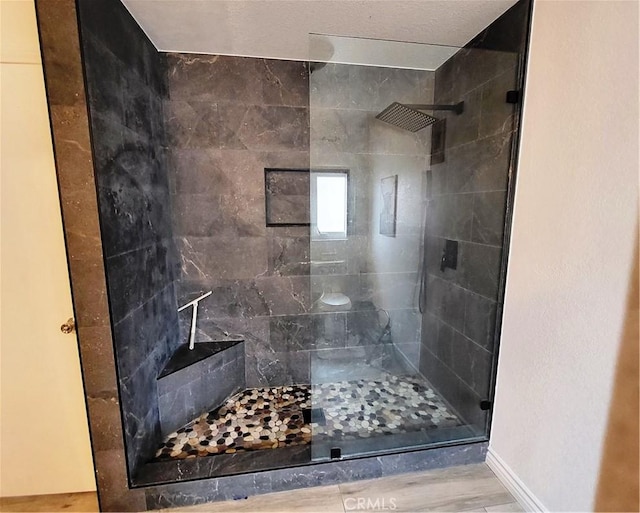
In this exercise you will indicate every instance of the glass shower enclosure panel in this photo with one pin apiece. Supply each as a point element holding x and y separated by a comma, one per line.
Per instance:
<point>384,368</point>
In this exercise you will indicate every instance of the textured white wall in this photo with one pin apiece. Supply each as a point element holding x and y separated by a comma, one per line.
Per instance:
<point>575,221</point>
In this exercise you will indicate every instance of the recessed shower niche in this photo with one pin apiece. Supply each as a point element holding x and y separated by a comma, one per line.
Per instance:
<point>311,208</point>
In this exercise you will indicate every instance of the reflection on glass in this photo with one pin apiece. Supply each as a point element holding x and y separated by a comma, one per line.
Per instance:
<point>402,354</point>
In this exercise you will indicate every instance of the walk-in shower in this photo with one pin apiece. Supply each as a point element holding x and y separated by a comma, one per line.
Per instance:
<point>302,271</point>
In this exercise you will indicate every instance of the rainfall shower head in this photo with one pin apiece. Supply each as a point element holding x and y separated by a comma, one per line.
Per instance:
<point>410,118</point>
<point>405,117</point>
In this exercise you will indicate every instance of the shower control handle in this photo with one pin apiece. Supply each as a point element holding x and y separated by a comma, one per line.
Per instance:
<point>449,255</point>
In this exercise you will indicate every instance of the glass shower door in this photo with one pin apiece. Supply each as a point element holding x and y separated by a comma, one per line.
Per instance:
<point>393,366</point>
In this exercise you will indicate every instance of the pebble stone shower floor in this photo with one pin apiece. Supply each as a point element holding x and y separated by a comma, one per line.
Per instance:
<point>269,418</point>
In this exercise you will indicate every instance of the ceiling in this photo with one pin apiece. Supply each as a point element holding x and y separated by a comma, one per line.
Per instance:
<point>280,29</point>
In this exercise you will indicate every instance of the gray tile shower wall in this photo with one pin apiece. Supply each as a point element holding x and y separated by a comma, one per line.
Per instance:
<point>202,386</point>
<point>467,203</point>
<point>379,269</point>
<point>227,119</point>
<point>125,86</point>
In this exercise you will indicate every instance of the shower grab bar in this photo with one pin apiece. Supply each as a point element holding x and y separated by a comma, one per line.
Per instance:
<point>194,316</point>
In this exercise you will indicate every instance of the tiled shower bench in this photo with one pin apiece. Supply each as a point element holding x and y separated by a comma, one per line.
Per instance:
<point>198,380</point>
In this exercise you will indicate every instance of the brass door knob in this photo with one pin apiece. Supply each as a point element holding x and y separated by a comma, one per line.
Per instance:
<point>69,326</point>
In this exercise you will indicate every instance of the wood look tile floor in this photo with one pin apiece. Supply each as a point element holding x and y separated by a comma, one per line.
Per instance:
<point>464,488</point>
<point>86,501</point>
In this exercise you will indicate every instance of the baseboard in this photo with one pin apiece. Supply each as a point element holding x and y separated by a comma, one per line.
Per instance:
<point>511,482</point>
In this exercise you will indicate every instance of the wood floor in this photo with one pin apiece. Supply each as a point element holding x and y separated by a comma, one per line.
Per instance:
<point>464,488</point>
<point>62,502</point>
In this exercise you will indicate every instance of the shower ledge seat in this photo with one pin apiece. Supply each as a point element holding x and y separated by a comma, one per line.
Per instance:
<point>198,380</point>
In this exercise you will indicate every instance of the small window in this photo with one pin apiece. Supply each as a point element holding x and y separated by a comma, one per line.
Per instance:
<point>329,202</point>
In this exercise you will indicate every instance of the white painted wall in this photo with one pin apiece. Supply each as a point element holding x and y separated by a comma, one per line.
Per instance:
<point>575,222</point>
<point>44,437</point>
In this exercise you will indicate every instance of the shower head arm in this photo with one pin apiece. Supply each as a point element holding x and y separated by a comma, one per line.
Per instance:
<point>458,108</point>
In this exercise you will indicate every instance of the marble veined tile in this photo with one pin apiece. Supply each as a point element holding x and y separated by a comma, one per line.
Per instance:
<point>323,499</point>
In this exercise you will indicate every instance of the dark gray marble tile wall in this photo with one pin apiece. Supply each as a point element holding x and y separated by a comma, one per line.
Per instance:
<point>227,119</point>
<point>254,114</point>
<point>125,78</point>
<point>320,474</point>
<point>467,203</point>
<point>200,387</point>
